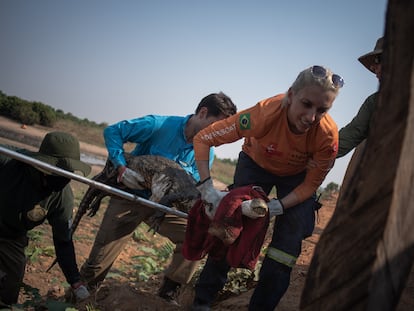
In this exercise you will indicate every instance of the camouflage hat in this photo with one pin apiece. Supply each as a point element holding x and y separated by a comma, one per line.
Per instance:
<point>369,59</point>
<point>62,150</point>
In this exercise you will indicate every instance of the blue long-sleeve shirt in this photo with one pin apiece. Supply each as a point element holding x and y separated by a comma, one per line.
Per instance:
<point>154,135</point>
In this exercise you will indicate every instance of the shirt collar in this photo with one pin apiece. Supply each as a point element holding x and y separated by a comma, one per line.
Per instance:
<point>184,124</point>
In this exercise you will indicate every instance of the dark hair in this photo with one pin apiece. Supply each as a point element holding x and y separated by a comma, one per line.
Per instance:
<point>217,103</point>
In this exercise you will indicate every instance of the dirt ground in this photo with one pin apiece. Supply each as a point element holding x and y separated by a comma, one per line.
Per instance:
<point>122,290</point>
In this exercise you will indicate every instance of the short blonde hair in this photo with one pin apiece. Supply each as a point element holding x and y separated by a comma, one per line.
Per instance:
<point>307,78</point>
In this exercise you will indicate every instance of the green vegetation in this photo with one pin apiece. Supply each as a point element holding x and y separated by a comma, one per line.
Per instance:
<point>332,187</point>
<point>152,261</point>
<point>36,247</point>
<point>154,257</point>
<point>31,113</point>
<point>327,192</point>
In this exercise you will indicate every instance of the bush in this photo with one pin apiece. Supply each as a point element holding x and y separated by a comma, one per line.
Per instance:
<point>5,106</point>
<point>332,187</point>
<point>22,111</point>
<point>46,114</point>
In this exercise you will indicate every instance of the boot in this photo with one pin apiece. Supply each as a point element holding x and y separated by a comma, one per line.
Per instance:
<point>169,291</point>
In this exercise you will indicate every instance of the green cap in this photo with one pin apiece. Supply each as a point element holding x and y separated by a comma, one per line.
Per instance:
<point>62,150</point>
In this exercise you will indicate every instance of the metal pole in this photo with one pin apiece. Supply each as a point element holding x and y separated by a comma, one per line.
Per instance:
<point>92,183</point>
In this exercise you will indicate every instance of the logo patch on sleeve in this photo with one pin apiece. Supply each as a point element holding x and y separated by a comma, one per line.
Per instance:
<point>244,121</point>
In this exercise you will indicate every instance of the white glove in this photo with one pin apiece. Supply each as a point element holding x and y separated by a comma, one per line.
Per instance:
<point>275,207</point>
<point>254,208</point>
<point>80,291</point>
<point>211,196</point>
<point>130,178</point>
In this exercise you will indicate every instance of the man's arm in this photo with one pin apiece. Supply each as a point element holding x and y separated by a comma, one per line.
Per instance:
<point>134,131</point>
<point>357,130</point>
<point>59,206</point>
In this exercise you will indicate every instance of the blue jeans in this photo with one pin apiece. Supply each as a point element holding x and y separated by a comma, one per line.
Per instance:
<point>290,229</point>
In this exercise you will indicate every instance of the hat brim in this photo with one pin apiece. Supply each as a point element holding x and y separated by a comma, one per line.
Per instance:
<point>368,59</point>
<point>67,164</point>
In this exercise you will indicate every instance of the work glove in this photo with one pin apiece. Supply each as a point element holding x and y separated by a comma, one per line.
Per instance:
<point>254,208</point>
<point>275,207</point>
<point>130,178</point>
<point>210,196</point>
<point>80,291</point>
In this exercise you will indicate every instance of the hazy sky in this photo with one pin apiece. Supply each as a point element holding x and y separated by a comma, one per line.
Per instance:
<point>112,60</point>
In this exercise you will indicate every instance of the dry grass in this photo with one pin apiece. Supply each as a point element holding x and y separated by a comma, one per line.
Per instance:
<point>85,133</point>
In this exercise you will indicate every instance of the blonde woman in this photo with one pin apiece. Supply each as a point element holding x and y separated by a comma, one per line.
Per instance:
<point>281,134</point>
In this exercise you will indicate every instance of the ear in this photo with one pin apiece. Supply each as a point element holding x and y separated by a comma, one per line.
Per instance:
<point>289,95</point>
<point>202,113</point>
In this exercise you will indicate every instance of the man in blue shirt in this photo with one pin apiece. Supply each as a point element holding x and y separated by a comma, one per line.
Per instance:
<point>167,136</point>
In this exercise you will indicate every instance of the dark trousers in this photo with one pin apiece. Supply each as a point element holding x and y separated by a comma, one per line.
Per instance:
<point>12,266</point>
<point>290,229</point>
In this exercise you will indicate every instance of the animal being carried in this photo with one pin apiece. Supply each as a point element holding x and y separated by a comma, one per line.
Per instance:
<point>170,185</point>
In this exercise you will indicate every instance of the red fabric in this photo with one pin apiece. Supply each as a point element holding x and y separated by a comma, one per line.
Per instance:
<point>241,237</point>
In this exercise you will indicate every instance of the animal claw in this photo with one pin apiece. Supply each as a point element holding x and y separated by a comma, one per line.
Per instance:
<point>155,221</point>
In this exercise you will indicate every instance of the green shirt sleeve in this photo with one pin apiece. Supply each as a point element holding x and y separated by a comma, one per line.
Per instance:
<point>352,134</point>
<point>60,209</point>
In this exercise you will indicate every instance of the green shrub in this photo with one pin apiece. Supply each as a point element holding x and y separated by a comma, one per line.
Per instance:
<point>46,114</point>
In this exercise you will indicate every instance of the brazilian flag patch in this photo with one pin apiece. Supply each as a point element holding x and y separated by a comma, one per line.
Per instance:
<point>244,121</point>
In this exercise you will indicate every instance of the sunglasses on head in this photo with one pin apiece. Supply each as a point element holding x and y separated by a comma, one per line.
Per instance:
<point>320,72</point>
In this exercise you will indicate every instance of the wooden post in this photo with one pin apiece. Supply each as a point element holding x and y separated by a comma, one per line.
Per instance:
<point>364,256</point>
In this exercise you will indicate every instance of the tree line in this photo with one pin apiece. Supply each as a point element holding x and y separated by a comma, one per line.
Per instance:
<point>34,112</point>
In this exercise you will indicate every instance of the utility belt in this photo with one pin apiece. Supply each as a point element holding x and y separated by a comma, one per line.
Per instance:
<point>316,204</point>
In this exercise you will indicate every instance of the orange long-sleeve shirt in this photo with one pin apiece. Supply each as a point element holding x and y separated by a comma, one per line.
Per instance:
<point>271,144</point>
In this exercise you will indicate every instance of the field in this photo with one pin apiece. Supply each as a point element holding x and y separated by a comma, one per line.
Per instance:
<point>137,273</point>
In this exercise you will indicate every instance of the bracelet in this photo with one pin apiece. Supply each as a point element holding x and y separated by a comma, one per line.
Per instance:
<point>202,182</point>
<point>283,207</point>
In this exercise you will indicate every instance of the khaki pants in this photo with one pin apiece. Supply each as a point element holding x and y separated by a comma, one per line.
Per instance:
<point>119,222</point>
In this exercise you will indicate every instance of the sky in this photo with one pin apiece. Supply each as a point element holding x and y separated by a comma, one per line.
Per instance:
<point>108,61</point>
